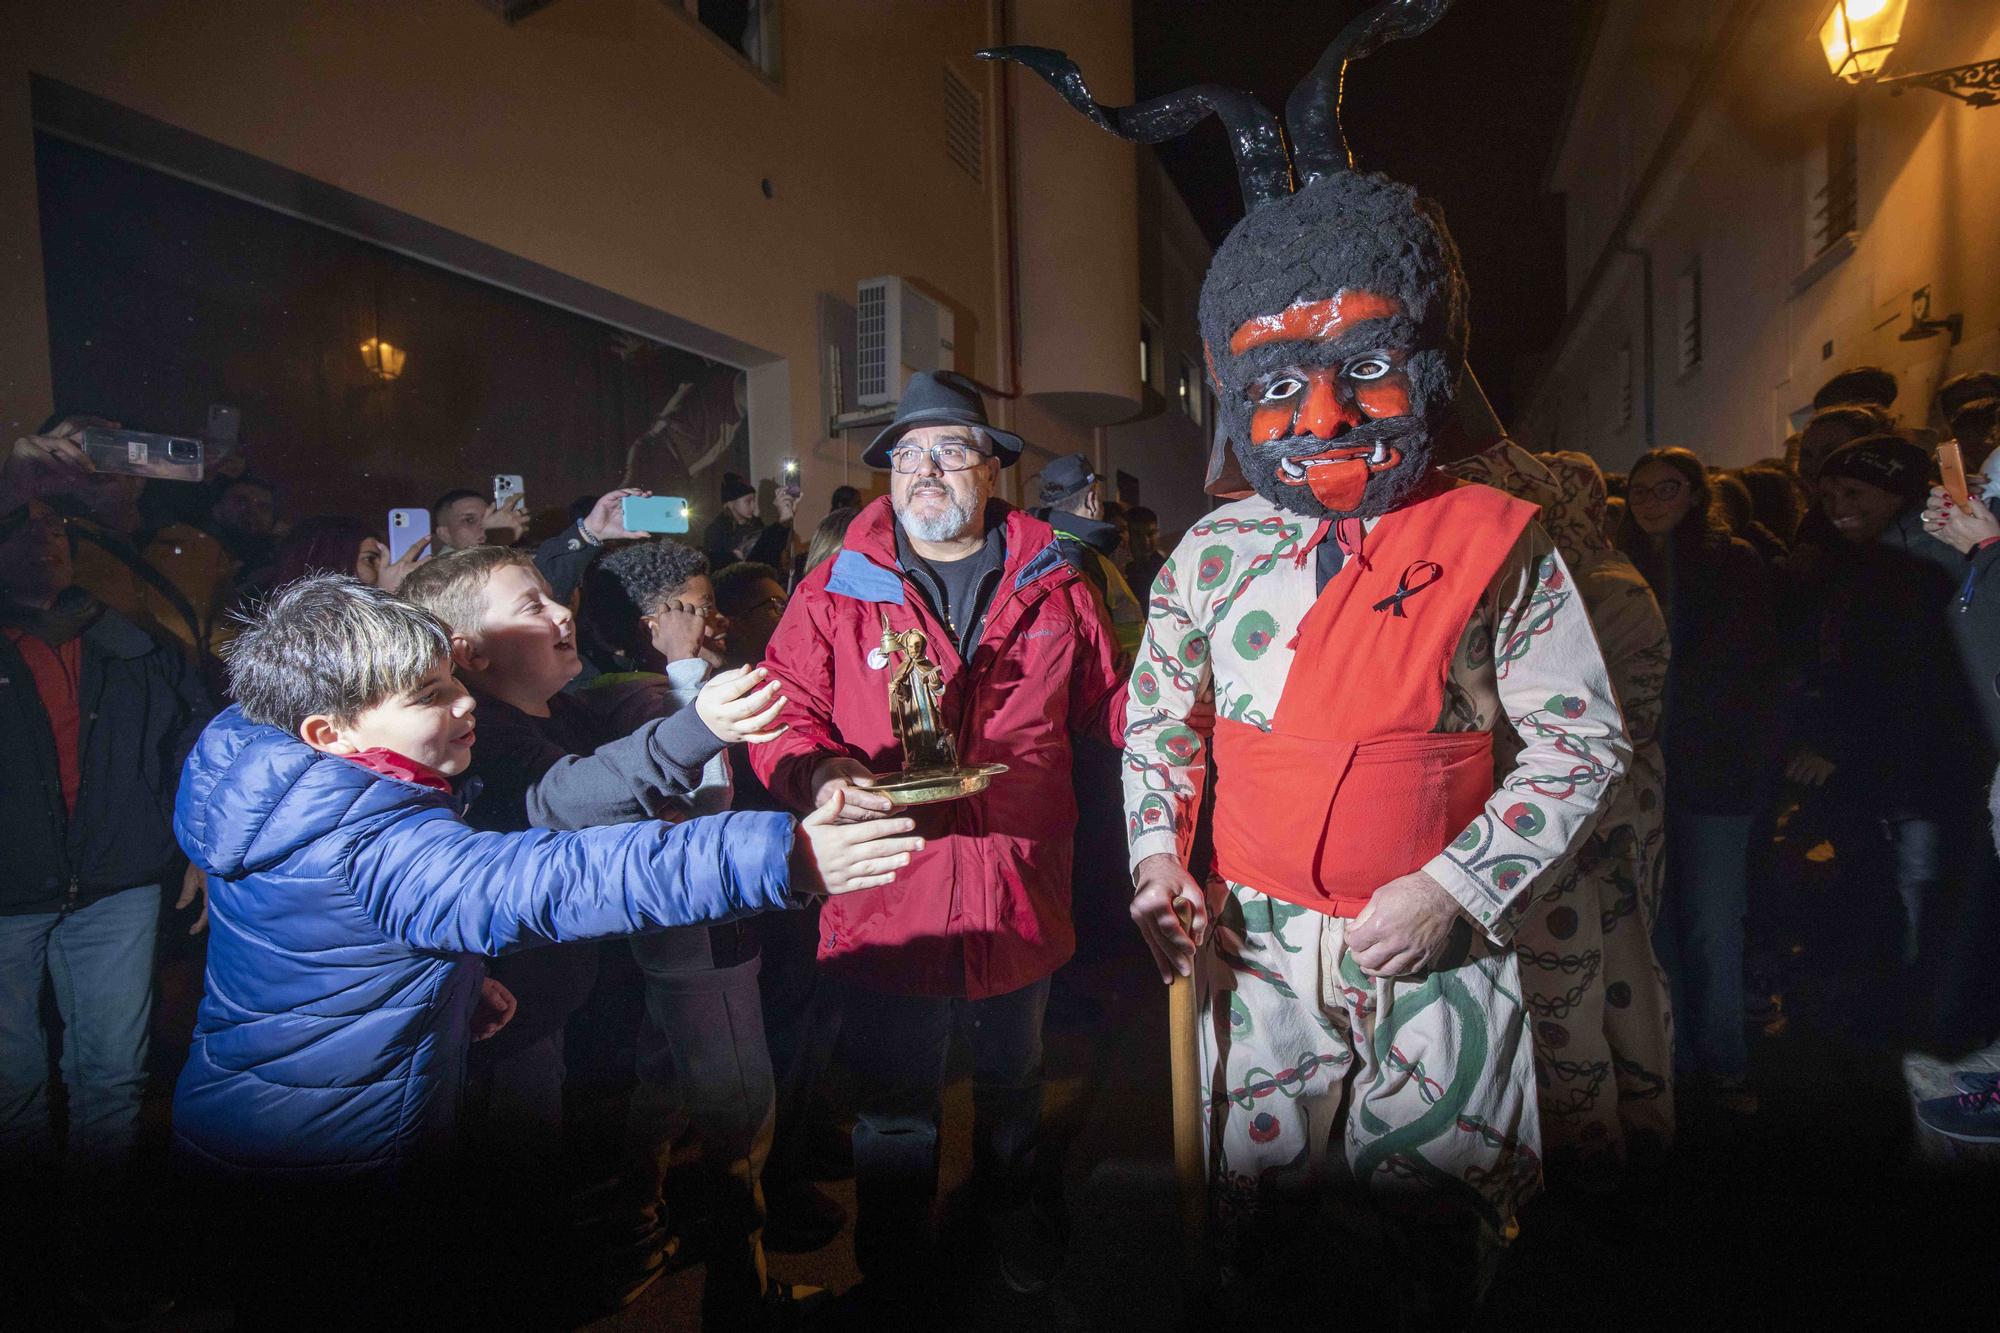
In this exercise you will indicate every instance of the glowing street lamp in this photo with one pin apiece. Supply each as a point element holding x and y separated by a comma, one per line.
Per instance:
<point>1859,35</point>
<point>384,360</point>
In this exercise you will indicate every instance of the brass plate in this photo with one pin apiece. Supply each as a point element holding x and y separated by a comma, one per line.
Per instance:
<point>928,786</point>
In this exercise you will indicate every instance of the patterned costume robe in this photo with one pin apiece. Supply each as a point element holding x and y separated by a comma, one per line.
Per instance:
<point>1429,1079</point>
<point>1602,1021</point>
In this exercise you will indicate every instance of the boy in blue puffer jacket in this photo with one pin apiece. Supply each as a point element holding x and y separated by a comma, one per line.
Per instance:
<point>349,903</point>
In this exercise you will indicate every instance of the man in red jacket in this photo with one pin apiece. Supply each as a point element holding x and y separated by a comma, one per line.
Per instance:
<point>967,937</point>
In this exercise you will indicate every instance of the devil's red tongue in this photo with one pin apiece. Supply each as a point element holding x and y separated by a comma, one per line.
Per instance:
<point>1338,486</point>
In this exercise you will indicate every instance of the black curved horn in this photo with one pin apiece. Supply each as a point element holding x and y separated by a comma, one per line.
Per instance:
<point>1261,165</point>
<point>1312,112</point>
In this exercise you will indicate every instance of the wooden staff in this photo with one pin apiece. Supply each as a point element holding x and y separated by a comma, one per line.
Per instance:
<point>1184,1066</point>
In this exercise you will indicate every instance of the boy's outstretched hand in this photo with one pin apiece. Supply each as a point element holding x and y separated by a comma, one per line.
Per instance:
<point>742,705</point>
<point>495,1009</point>
<point>842,858</point>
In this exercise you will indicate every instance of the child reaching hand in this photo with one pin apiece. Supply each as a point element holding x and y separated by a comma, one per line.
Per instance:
<point>349,902</point>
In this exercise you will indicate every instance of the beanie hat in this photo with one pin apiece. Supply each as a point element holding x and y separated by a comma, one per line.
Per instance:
<point>735,488</point>
<point>1889,462</point>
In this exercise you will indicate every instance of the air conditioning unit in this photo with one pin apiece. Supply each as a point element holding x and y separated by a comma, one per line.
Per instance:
<point>897,331</point>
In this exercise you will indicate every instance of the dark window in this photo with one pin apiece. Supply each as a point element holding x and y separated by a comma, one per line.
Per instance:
<point>1836,203</point>
<point>750,27</point>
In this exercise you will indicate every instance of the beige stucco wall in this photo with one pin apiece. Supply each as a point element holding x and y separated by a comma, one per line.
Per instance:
<point>617,142</point>
<point>1776,326</point>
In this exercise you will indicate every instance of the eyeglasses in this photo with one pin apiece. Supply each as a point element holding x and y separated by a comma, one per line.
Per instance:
<point>1659,490</point>
<point>776,603</point>
<point>949,457</point>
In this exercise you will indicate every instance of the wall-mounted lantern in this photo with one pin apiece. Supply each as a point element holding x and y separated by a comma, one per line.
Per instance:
<point>1923,326</point>
<point>384,360</point>
<point>1859,35</point>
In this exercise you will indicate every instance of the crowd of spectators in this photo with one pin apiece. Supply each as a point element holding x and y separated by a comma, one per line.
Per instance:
<point>1830,729</point>
<point>1832,692</point>
<point>586,654</point>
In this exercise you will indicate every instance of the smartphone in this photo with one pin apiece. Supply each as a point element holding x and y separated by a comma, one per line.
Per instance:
<point>138,453</point>
<point>654,513</point>
<point>1951,464</point>
<point>506,486</point>
<point>225,426</point>
<point>792,486</point>
<point>407,527</point>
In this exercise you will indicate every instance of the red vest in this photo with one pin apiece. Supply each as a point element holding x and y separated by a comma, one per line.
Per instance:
<point>1353,786</point>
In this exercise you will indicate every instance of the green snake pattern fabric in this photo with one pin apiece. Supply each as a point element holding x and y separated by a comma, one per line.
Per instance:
<point>1412,1087</point>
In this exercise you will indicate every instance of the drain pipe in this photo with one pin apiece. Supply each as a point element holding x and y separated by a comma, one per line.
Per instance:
<point>1645,258</point>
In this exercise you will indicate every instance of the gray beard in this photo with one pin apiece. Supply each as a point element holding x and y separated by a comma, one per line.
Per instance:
<point>953,523</point>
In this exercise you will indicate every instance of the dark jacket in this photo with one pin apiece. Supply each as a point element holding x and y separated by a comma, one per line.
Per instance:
<point>1721,722</point>
<point>346,911</point>
<point>1975,624</point>
<point>760,543</point>
<point>142,707</point>
<point>1887,701</point>
<point>563,558</point>
<point>552,772</point>
<point>1085,543</point>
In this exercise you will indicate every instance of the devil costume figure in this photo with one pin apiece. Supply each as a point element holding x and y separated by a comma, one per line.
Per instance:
<point>1357,629</point>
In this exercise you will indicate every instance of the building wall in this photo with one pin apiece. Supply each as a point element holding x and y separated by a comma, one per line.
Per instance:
<point>1733,197</point>
<point>1167,450</point>
<point>618,143</point>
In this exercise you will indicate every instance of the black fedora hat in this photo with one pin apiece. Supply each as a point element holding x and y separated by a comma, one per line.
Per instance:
<point>940,398</point>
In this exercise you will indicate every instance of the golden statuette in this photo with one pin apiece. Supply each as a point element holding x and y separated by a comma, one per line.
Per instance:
<point>931,771</point>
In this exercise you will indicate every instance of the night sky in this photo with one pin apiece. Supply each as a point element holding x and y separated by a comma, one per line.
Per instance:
<point>1469,113</point>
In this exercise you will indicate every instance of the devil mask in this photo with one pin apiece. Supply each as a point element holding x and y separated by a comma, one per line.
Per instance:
<point>1333,316</point>
<point>1334,323</point>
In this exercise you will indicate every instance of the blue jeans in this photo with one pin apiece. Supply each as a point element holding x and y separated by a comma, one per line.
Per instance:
<point>896,1047</point>
<point>1699,939</point>
<point>1919,848</point>
<point>100,961</point>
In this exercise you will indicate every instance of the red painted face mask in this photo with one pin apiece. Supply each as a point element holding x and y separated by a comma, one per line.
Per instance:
<point>1328,400</point>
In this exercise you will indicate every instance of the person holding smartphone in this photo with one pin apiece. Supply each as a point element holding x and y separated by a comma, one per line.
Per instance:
<point>738,534</point>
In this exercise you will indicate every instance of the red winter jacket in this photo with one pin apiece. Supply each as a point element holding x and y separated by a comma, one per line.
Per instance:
<point>984,908</point>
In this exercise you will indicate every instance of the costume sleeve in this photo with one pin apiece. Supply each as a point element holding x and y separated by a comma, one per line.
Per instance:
<point>431,882</point>
<point>1556,691</point>
<point>1633,637</point>
<point>1167,721</point>
<point>800,654</point>
<point>1096,683</point>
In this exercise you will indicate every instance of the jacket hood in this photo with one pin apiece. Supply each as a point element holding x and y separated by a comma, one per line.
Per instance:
<point>1096,533</point>
<point>252,795</point>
